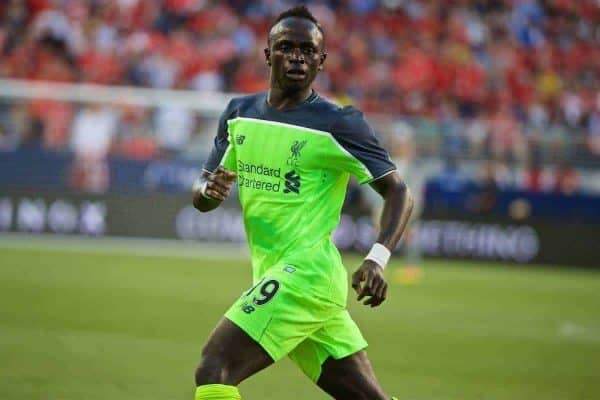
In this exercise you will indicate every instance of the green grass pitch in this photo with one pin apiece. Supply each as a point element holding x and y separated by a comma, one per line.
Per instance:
<point>95,326</point>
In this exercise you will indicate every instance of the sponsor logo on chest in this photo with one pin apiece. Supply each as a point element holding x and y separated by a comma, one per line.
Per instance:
<point>267,177</point>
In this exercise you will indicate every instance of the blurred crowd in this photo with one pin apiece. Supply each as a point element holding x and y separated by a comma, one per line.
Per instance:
<point>512,80</point>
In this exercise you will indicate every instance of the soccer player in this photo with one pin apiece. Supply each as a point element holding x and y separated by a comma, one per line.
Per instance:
<point>292,153</point>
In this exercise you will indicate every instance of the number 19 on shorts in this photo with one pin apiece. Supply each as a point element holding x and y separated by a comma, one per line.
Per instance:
<point>268,290</point>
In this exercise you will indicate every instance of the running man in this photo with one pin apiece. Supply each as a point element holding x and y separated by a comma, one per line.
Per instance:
<point>292,153</point>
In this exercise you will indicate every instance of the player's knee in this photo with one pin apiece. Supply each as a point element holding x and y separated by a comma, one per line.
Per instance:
<point>212,370</point>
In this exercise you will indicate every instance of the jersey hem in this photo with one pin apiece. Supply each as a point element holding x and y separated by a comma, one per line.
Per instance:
<point>386,173</point>
<point>257,337</point>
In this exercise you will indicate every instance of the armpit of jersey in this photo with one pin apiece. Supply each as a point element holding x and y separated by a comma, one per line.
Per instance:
<point>221,142</point>
<point>354,134</point>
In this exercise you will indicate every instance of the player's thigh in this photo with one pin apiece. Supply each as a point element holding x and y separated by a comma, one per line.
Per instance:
<point>277,313</point>
<point>350,378</point>
<point>230,355</point>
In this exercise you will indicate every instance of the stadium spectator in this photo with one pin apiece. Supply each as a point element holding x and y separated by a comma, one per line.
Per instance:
<point>51,122</point>
<point>535,177</point>
<point>492,75</point>
<point>494,178</point>
<point>94,129</point>
<point>13,122</point>
<point>566,179</point>
<point>174,126</point>
<point>135,137</point>
<point>452,178</point>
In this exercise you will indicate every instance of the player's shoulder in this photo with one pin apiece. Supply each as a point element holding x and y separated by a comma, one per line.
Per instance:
<point>337,115</point>
<point>239,104</point>
<point>333,108</point>
<point>346,120</point>
<point>351,116</point>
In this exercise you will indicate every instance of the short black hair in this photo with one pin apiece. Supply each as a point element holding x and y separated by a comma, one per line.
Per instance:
<point>300,11</point>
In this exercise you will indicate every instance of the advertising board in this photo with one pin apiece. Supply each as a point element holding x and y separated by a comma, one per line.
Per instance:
<point>167,216</point>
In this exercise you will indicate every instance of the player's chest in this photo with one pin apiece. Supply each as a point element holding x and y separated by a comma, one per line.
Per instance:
<point>275,159</point>
<point>266,147</point>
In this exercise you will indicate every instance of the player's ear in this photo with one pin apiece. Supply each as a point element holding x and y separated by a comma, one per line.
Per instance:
<point>268,56</point>
<point>322,60</point>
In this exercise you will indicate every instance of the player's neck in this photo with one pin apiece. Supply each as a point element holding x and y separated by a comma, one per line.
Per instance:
<point>282,100</point>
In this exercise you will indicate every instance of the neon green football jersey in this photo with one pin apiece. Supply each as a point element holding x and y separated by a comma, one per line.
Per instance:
<point>293,167</point>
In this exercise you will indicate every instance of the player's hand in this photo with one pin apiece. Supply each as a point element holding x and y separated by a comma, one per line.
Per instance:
<point>374,286</point>
<point>219,183</point>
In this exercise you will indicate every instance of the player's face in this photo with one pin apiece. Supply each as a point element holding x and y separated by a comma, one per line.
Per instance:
<point>295,54</point>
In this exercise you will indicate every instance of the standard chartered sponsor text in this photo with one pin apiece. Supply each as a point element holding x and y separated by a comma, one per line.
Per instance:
<point>246,178</point>
<point>258,169</point>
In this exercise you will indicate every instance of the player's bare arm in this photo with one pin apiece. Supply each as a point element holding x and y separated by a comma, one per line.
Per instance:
<point>211,188</point>
<point>398,205</point>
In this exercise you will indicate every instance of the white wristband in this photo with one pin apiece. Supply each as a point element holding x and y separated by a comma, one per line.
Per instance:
<point>380,254</point>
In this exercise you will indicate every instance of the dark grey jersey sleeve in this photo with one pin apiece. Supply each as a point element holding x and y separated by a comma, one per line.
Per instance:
<point>354,134</point>
<point>221,142</point>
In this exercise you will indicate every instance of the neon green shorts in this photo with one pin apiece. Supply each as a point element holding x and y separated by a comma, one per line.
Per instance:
<point>284,320</point>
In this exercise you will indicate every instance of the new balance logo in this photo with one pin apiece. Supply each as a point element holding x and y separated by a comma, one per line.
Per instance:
<point>290,269</point>
<point>292,182</point>
<point>239,139</point>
